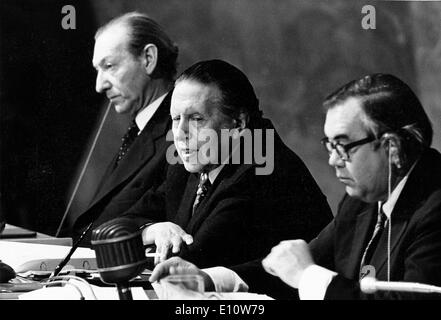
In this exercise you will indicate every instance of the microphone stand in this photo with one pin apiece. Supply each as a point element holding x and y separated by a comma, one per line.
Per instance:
<point>72,250</point>
<point>83,170</point>
<point>124,291</point>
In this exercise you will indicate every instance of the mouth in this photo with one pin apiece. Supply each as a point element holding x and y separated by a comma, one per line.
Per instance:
<point>187,152</point>
<point>112,98</point>
<point>344,180</point>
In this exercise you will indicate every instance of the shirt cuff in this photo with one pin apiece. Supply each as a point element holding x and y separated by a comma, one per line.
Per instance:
<point>314,282</point>
<point>226,280</point>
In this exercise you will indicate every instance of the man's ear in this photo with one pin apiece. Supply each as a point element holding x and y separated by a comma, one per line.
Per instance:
<point>241,121</point>
<point>150,58</point>
<point>392,144</point>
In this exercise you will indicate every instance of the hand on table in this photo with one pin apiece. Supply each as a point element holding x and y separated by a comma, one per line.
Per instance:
<point>179,266</point>
<point>288,260</point>
<point>168,238</point>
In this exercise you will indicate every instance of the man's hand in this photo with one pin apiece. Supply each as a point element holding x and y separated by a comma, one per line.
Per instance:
<point>167,237</point>
<point>178,265</point>
<point>288,260</point>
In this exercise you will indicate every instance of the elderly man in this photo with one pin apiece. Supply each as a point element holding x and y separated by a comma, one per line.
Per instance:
<point>389,223</point>
<point>234,206</point>
<point>136,64</point>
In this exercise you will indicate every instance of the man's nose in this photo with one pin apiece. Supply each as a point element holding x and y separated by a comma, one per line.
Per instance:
<point>335,160</point>
<point>182,132</point>
<point>102,83</point>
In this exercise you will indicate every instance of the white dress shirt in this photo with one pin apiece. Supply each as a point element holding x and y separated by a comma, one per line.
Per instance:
<point>144,116</point>
<point>212,175</point>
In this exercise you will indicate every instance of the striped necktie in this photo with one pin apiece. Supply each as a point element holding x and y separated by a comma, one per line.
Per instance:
<point>127,140</point>
<point>203,186</point>
<point>370,248</point>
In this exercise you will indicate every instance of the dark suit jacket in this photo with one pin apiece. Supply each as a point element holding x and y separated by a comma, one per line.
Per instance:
<point>415,242</point>
<point>143,169</point>
<point>244,215</point>
<point>415,237</point>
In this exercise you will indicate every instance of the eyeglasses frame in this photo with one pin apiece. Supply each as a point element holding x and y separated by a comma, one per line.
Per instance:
<point>346,147</point>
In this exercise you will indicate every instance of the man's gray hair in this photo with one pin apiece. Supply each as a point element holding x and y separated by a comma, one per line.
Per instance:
<point>142,31</point>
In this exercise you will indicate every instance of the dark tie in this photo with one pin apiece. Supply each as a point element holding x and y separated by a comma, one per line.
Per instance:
<point>127,140</point>
<point>371,246</point>
<point>203,186</point>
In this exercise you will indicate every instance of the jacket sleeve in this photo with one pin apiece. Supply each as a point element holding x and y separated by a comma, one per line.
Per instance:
<point>422,261</point>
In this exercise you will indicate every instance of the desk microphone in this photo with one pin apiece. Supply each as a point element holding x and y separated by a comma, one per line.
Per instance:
<point>72,250</point>
<point>371,285</point>
<point>83,170</point>
<point>120,254</point>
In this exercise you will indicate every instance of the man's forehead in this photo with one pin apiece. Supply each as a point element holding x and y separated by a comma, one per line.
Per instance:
<point>344,120</point>
<point>111,41</point>
<point>192,93</point>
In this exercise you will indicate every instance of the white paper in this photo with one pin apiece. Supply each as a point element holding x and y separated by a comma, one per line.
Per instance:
<point>167,291</point>
<point>75,289</point>
<point>23,257</point>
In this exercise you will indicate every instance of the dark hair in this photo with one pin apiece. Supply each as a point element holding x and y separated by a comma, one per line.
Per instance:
<point>142,31</point>
<point>237,93</point>
<point>391,106</point>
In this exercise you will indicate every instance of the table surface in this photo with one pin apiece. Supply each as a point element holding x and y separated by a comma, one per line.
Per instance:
<point>44,239</point>
<point>37,238</point>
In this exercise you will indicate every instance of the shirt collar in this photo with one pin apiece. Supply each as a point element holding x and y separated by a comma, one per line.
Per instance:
<point>389,205</point>
<point>144,116</point>
<point>212,175</point>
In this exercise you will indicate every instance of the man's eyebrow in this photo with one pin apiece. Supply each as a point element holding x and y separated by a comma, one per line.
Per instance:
<point>340,137</point>
<point>197,113</point>
<point>100,63</point>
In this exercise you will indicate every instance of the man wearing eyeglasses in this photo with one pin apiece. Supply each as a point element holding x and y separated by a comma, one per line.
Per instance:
<point>388,225</point>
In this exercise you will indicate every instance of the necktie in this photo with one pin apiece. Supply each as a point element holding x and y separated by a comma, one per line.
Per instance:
<point>370,248</point>
<point>127,140</point>
<point>203,186</point>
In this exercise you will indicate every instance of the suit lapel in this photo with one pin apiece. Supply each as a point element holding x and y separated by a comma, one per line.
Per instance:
<point>362,234</point>
<point>140,152</point>
<point>380,255</point>
<point>201,211</point>
<point>142,149</point>
<point>407,204</point>
<point>224,180</point>
<point>185,209</point>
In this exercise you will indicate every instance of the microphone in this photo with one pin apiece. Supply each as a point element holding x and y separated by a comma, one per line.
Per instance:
<point>72,250</point>
<point>371,285</point>
<point>83,170</point>
<point>120,253</point>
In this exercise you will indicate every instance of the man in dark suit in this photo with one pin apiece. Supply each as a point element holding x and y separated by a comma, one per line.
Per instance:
<point>136,64</point>
<point>236,204</point>
<point>388,225</point>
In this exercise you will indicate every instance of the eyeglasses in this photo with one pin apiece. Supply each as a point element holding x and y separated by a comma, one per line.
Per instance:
<point>343,149</point>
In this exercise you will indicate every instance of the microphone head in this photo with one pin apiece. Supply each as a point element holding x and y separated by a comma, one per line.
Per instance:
<point>120,254</point>
<point>367,285</point>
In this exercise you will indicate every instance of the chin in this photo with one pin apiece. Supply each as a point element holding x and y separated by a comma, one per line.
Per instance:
<point>354,193</point>
<point>122,109</point>
<point>193,168</point>
<point>358,194</point>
